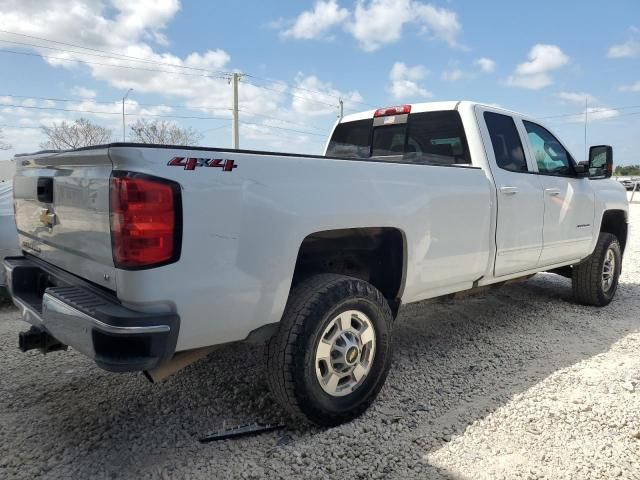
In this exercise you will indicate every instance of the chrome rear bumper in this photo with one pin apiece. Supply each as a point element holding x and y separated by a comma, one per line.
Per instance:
<point>89,319</point>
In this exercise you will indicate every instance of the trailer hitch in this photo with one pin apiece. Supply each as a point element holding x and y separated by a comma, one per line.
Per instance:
<point>36,338</point>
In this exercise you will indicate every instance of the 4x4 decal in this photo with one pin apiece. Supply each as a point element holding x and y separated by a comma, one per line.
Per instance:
<point>190,163</point>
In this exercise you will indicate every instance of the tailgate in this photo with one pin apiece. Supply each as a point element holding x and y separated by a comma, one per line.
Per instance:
<point>62,211</point>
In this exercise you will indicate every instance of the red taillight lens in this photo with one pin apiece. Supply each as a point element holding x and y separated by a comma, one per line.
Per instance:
<point>400,109</point>
<point>145,223</point>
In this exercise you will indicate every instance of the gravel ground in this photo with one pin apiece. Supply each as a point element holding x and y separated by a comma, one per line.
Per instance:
<point>517,383</point>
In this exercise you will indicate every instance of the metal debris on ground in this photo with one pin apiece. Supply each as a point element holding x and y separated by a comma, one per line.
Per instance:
<point>241,431</point>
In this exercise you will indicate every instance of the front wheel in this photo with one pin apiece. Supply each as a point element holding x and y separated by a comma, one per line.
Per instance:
<point>331,354</point>
<point>595,280</point>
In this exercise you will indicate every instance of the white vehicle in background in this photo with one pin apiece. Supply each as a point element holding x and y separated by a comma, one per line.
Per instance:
<point>8,233</point>
<point>136,254</point>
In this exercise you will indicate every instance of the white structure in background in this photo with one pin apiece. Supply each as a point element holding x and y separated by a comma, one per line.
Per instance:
<point>7,170</point>
<point>8,233</point>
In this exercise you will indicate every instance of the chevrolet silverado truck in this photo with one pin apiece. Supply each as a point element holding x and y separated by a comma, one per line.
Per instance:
<point>136,254</point>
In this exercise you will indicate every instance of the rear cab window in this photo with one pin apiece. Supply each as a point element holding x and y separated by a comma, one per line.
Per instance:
<point>433,138</point>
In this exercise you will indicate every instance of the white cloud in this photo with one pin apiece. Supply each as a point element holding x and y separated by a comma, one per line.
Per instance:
<point>442,23</point>
<point>137,29</point>
<point>630,48</point>
<point>596,111</point>
<point>487,65</point>
<point>593,115</point>
<point>634,87</point>
<point>380,22</point>
<point>534,74</point>
<point>314,23</point>
<point>314,97</point>
<point>577,97</point>
<point>542,59</point>
<point>405,82</point>
<point>83,92</point>
<point>452,75</point>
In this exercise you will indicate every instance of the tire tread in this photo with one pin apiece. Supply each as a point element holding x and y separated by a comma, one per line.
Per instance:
<point>283,350</point>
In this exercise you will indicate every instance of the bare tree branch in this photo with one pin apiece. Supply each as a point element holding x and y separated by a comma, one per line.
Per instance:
<point>162,132</point>
<point>81,133</point>
<point>3,144</point>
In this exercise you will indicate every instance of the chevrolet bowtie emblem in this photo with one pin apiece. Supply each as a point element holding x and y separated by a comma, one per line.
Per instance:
<point>47,218</point>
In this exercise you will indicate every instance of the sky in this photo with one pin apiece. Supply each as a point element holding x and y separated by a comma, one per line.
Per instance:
<point>77,58</point>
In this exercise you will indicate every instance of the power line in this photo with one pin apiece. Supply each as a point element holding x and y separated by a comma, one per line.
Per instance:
<point>19,126</point>
<point>111,113</point>
<point>175,106</point>
<point>292,95</point>
<point>160,116</point>
<point>283,128</point>
<point>615,117</point>
<point>112,54</point>
<point>218,74</point>
<point>304,89</point>
<point>129,67</point>
<point>593,110</point>
<point>154,62</point>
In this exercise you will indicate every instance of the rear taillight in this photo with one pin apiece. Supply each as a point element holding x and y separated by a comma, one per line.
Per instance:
<point>400,109</point>
<point>146,228</point>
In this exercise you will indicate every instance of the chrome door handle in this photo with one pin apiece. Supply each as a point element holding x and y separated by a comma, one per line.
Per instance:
<point>508,190</point>
<point>554,192</point>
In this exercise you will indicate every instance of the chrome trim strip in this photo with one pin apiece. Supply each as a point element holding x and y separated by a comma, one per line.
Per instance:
<point>47,300</point>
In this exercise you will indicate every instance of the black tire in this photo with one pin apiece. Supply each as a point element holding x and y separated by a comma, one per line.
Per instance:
<point>290,354</point>
<point>587,275</point>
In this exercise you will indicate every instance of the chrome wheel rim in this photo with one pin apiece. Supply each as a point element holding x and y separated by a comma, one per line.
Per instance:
<point>608,270</point>
<point>344,355</point>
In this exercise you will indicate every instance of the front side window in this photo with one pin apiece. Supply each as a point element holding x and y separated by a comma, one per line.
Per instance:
<point>552,158</point>
<point>506,143</point>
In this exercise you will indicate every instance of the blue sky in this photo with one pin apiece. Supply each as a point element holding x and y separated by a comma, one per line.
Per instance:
<point>300,57</point>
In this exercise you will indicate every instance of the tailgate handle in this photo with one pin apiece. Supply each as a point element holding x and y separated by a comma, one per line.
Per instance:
<point>45,189</point>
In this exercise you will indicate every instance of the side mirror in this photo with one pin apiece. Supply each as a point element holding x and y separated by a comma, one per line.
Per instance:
<point>601,161</point>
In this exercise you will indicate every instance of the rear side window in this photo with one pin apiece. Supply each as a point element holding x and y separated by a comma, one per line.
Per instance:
<point>351,140</point>
<point>436,137</point>
<point>428,137</point>
<point>506,142</point>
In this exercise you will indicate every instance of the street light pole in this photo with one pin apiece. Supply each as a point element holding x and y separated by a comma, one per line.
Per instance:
<point>124,131</point>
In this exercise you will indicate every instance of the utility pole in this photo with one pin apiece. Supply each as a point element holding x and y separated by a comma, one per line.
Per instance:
<point>235,133</point>
<point>124,127</point>
<point>340,108</point>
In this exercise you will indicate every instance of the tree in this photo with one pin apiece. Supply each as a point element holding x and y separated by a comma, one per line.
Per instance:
<point>3,144</point>
<point>163,133</point>
<point>627,170</point>
<point>81,133</point>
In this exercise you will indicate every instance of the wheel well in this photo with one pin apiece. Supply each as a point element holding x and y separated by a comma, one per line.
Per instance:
<point>372,254</point>
<point>614,222</point>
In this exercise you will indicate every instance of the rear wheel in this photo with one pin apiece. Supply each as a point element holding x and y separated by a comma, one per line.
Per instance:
<point>595,280</point>
<point>332,352</point>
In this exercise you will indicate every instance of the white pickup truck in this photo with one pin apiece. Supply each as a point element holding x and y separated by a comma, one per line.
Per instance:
<point>134,254</point>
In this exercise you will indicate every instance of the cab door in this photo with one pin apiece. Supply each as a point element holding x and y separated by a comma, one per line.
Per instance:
<point>569,201</point>
<point>520,205</point>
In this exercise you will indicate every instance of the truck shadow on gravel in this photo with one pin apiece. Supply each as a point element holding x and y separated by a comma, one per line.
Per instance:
<point>454,363</point>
